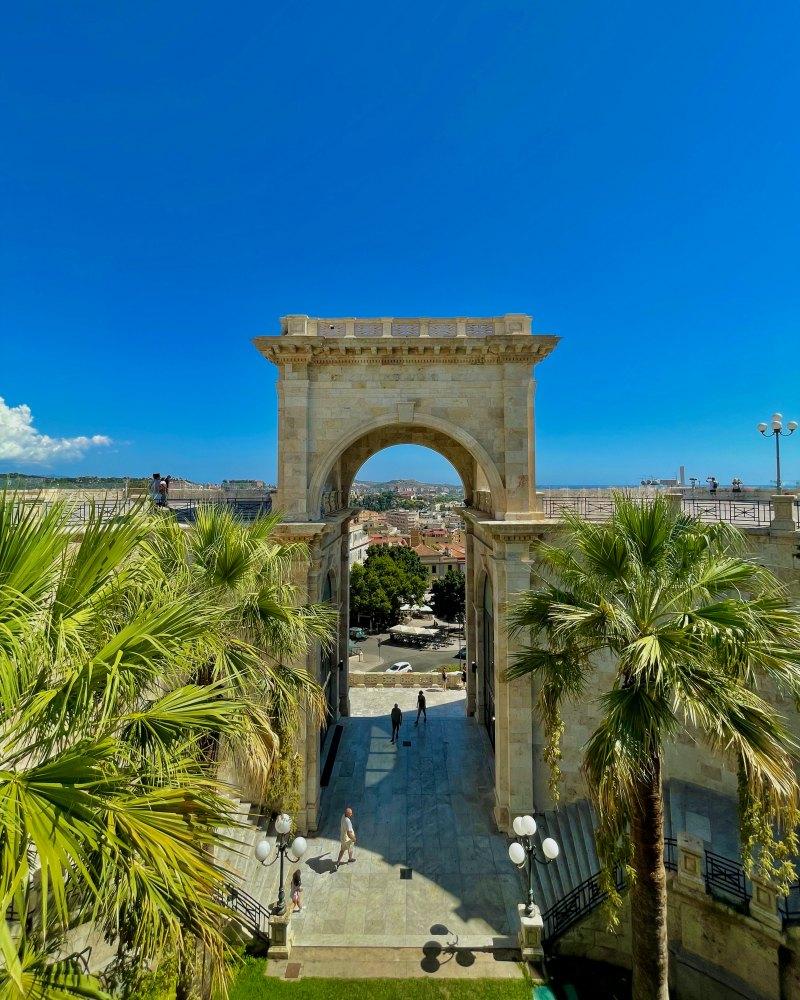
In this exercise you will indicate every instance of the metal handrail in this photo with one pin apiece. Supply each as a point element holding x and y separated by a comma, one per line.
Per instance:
<point>725,879</point>
<point>252,914</point>
<point>575,905</point>
<point>671,854</point>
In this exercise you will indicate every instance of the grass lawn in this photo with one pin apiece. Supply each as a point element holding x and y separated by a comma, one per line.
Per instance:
<point>251,985</point>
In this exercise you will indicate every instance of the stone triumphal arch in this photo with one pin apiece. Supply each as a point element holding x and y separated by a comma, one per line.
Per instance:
<point>348,388</point>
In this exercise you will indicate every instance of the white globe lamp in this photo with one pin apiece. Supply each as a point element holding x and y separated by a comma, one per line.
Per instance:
<point>517,853</point>
<point>283,824</point>
<point>519,826</point>
<point>550,848</point>
<point>299,847</point>
<point>530,825</point>
<point>263,849</point>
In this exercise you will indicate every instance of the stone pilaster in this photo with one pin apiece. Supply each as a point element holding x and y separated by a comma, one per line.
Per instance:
<point>764,903</point>
<point>469,623</point>
<point>690,863</point>
<point>344,621</point>
<point>513,699</point>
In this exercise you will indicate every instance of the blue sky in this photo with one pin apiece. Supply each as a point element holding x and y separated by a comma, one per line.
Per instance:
<point>176,176</point>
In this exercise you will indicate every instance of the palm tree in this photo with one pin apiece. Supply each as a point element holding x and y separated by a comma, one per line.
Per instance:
<point>266,630</point>
<point>692,628</point>
<point>106,806</point>
<point>122,675</point>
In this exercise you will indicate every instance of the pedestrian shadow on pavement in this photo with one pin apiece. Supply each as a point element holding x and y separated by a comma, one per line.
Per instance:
<point>321,864</point>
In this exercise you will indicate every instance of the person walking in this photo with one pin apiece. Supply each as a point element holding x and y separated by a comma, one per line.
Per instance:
<point>421,708</point>
<point>444,678</point>
<point>347,837</point>
<point>464,677</point>
<point>297,891</point>
<point>397,721</point>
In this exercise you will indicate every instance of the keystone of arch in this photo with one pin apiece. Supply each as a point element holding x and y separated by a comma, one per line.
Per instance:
<point>421,421</point>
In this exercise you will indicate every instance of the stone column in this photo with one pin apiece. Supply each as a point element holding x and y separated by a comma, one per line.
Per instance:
<point>307,818</point>
<point>783,517</point>
<point>344,620</point>
<point>469,623</point>
<point>513,699</point>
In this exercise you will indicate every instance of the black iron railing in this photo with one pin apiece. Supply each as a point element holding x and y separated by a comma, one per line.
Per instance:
<point>789,906</point>
<point>744,512</point>
<point>244,508</point>
<point>250,913</point>
<point>575,905</point>
<point>184,509</point>
<point>725,880</point>
<point>747,512</point>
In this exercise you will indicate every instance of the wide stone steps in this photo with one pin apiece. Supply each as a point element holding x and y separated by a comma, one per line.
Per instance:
<point>572,827</point>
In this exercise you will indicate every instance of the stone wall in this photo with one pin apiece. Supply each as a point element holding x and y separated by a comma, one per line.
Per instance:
<point>716,953</point>
<point>426,681</point>
<point>686,758</point>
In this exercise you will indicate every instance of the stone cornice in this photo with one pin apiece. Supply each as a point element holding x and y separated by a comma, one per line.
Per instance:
<point>497,349</point>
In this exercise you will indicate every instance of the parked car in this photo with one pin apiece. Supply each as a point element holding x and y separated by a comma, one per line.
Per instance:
<point>461,654</point>
<point>358,634</point>
<point>401,667</point>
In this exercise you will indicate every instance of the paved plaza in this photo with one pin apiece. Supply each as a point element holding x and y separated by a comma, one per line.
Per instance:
<point>424,807</point>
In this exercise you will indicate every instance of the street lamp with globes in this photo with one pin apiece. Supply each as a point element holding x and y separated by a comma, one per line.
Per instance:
<point>263,849</point>
<point>523,853</point>
<point>776,429</point>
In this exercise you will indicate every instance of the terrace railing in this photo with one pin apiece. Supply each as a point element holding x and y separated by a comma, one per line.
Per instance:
<point>755,512</point>
<point>185,510</point>
<point>724,878</point>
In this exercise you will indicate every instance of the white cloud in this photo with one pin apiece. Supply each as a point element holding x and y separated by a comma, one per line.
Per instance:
<point>20,440</point>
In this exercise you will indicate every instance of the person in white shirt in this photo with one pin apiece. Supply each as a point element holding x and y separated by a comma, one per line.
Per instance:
<point>347,837</point>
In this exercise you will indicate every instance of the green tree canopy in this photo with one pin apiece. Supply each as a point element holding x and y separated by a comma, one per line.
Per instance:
<point>448,600</point>
<point>694,631</point>
<point>392,575</point>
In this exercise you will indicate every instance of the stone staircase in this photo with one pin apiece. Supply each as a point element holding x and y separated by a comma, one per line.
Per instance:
<point>572,827</point>
<point>247,876</point>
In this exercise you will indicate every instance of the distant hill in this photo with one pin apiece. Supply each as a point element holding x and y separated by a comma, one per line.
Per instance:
<point>398,485</point>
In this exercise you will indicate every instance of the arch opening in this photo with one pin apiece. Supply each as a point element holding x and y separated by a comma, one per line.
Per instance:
<point>407,498</point>
<point>335,471</point>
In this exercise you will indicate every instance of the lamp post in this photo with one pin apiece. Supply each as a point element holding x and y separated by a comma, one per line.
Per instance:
<point>523,853</point>
<point>263,849</point>
<point>777,431</point>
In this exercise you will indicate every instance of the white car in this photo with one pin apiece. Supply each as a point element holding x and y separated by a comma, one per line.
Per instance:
<point>401,667</point>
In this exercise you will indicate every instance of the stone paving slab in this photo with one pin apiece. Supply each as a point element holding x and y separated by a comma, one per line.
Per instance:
<point>427,807</point>
<point>433,961</point>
